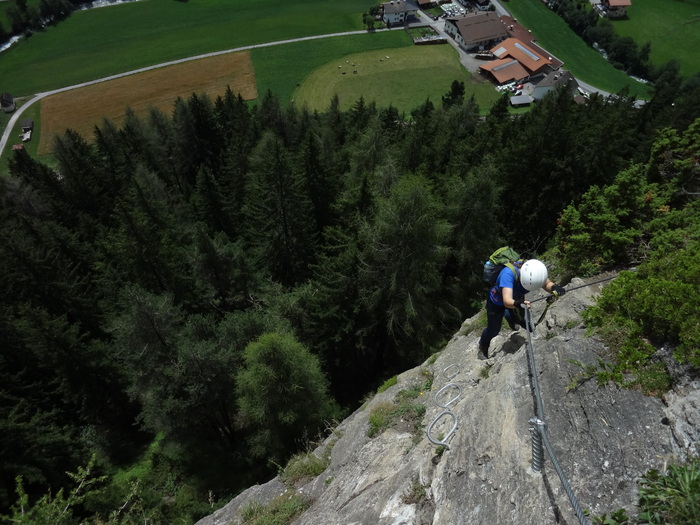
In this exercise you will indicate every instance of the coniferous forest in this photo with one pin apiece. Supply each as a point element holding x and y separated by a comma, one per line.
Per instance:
<point>188,299</point>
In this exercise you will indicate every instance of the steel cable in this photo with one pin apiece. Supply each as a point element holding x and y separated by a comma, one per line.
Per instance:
<point>541,427</point>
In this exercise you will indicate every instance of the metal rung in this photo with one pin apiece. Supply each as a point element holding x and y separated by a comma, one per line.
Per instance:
<point>447,437</point>
<point>453,400</point>
<point>450,376</point>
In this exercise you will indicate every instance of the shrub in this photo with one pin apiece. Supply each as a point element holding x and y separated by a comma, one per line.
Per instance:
<point>379,418</point>
<point>303,467</point>
<point>280,511</point>
<point>387,384</point>
<point>672,497</point>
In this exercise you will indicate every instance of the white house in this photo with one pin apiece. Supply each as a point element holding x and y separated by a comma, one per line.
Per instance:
<point>398,12</point>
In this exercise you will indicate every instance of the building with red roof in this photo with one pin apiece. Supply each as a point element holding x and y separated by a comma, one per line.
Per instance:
<point>616,8</point>
<point>515,61</point>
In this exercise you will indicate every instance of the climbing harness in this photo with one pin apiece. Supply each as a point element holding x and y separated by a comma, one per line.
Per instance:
<point>538,430</point>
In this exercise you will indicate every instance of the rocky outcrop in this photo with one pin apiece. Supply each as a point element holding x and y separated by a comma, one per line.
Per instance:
<point>604,438</point>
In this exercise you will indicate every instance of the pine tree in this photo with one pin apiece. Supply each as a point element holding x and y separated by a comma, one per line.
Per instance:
<point>282,395</point>
<point>404,248</point>
<point>279,217</point>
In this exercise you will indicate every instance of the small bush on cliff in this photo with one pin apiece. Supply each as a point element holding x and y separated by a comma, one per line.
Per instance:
<point>280,511</point>
<point>670,497</point>
<point>650,217</point>
<point>403,411</point>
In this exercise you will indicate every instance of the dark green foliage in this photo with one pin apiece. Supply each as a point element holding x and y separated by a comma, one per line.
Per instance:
<point>613,225</point>
<point>551,163</point>
<point>280,225</point>
<point>654,225</point>
<point>138,271</point>
<point>455,96</point>
<point>332,330</point>
<point>282,394</point>
<point>404,249</point>
<point>672,496</point>
<point>655,304</point>
<point>473,207</point>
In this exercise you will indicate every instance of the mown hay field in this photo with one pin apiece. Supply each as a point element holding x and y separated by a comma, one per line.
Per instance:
<point>403,77</point>
<point>83,108</point>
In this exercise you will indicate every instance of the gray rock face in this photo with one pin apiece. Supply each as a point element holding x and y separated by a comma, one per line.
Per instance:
<point>604,438</point>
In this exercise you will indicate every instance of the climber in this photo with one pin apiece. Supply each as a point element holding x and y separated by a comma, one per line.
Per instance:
<point>506,297</point>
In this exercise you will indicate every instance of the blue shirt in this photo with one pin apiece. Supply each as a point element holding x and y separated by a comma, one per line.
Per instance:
<point>506,279</point>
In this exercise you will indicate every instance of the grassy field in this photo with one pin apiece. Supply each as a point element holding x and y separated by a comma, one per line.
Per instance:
<point>279,68</point>
<point>81,109</point>
<point>585,63</point>
<point>672,27</point>
<point>100,42</point>
<point>399,81</point>
<point>397,78</point>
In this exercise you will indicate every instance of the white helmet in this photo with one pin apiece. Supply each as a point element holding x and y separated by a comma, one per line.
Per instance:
<point>533,274</point>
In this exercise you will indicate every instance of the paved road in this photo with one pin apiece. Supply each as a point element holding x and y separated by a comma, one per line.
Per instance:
<point>18,113</point>
<point>468,61</point>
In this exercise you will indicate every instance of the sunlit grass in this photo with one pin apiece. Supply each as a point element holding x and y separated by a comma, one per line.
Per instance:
<point>404,78</point>
<point>672,28</point>
<point>554,35</point>
<point>100,42</point>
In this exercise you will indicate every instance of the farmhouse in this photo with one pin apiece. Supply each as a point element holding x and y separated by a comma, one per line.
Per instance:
<point>7,103</point>
<point>27,128</point>
<point>552,80</point>
<point>514,62</point>
<point>398,12</point>
<point>476,31</point>
<point>616,8</point>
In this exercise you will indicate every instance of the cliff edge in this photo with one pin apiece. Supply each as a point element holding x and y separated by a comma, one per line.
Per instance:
<point>604,437</point>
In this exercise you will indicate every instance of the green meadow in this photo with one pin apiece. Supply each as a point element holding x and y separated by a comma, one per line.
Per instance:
<point>100,42</point>
<point>279,68</point>
<point>585,63</point>
<point>672,27</point>
<point>399,80</point>
<point>390,77</point>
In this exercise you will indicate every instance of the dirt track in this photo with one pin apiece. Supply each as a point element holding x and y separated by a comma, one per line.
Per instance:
<point>83,108</point>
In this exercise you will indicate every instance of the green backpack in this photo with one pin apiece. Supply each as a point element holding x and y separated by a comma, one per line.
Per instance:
<point>501,258</point>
